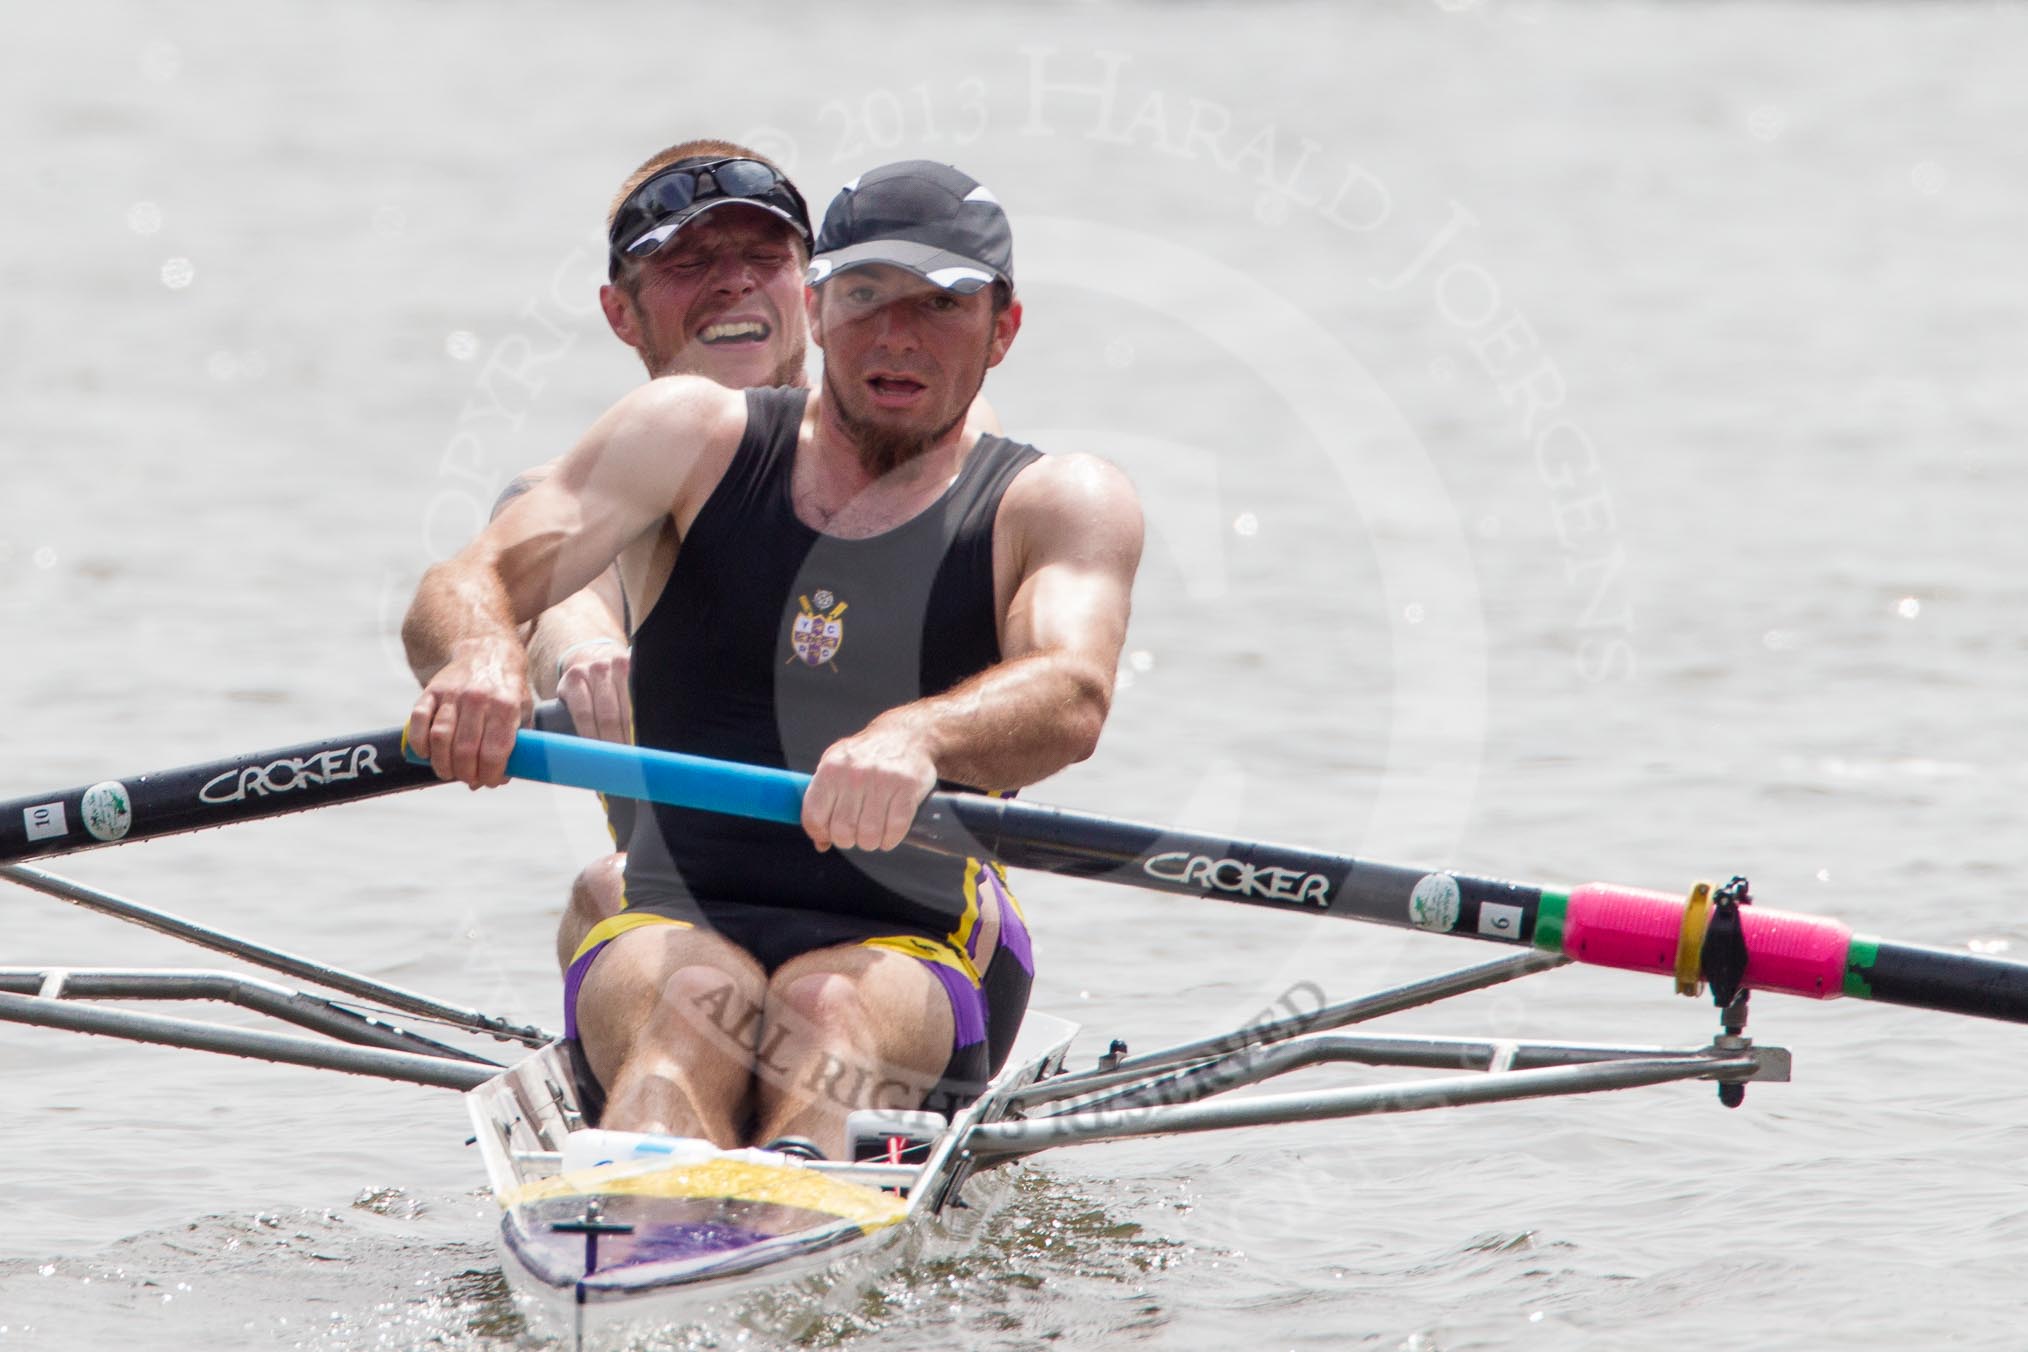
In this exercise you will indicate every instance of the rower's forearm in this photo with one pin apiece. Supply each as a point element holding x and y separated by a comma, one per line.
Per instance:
<point>455,607</point>
<point>1014,723</point>
<point>573,623</point>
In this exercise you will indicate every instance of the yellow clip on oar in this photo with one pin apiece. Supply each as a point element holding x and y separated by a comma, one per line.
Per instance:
<point>1690,942</point>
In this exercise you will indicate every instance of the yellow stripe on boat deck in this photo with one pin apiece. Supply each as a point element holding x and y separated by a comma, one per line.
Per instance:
<point>732,1181</point>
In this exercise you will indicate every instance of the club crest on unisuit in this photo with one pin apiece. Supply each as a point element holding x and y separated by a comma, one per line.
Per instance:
<point>818,633</point>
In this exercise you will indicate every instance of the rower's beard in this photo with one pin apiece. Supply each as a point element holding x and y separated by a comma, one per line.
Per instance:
<point>883,449</point>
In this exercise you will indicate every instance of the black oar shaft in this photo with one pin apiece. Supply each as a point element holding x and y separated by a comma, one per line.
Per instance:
<point>215,793</point>
<point>218,793</point>
<point>1257,873</point>
<point>1936,978</point>
<point>1601,924</point>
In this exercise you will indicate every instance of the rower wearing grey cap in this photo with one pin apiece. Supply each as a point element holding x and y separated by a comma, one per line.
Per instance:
<point>922,216</point>
<point>864,588</point>
<point>707,244</point>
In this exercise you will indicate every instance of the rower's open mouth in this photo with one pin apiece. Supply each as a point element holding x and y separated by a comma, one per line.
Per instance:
<point>735,332</point>
<point>895,387</point>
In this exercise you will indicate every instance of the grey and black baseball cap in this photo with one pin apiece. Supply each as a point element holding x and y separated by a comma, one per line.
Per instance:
<point>929,218</point>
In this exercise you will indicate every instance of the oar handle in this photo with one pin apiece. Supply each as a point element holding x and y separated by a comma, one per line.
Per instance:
<point>669,777</point>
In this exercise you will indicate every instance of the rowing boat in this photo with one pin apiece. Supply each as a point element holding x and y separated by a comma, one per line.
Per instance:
<point>601,1254</point>
<point>601,1243</point>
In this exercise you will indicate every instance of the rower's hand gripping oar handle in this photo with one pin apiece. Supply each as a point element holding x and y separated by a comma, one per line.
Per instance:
<point>947,823</point>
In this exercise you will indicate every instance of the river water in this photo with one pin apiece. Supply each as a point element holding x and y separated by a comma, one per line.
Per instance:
<point>1579,441</point>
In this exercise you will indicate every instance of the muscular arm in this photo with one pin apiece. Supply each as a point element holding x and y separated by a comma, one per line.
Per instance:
<point>636,465</point>
<point>1076,534</point>
<point>1074,530</point>
<point>577,649</point>
<point>579,652</point>
<point>574,627</point>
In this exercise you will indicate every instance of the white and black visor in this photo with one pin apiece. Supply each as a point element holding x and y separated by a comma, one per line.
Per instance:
<point>651,240</point>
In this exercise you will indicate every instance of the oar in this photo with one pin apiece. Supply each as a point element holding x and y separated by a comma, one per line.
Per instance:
<point>1599,923</point>
<point>218,793</point>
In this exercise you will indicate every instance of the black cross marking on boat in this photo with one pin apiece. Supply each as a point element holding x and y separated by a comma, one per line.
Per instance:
<point>591,1225</point>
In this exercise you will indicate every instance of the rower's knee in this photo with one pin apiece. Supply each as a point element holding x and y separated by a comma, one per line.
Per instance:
<point>830,1057</point>
<point>701,1004</point>
<point>658,982</point>
<point>820,1006</point>
<point>595,895</point>
<point>683,1068</point>
<point>694,1016</point>
<point>599,888</point>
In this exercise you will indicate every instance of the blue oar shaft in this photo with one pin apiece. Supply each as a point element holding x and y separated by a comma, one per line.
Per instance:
<point>660,776</point>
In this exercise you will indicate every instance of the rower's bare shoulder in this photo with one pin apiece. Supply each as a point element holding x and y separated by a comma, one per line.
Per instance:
<point>1075,497</point>
<point>684,407</point>
<point>662,440</point>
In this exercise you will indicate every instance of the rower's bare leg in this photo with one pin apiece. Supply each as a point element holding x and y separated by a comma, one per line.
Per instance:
<point>844,1028</point>
<point>668,1017</point>
<point>595,895</point>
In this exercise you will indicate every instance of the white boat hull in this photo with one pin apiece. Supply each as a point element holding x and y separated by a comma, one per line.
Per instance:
<point>601,1254</point>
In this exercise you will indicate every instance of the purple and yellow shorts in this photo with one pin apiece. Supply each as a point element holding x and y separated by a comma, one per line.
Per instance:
<point>987,1001</point>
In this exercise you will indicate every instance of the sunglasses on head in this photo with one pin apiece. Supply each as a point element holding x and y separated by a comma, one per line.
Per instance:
<point>675,191</point>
